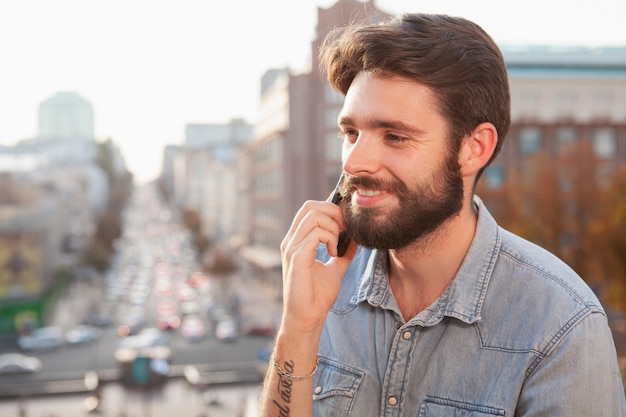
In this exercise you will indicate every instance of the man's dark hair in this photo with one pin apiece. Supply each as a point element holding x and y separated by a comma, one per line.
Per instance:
<point>452,56</point>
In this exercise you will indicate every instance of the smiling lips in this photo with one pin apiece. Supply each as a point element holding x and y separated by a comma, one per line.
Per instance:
<point>367,196</point>
<point>368,193</point>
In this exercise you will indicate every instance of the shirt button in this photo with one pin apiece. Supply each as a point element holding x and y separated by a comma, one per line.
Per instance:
<point>407,335</point>
<point>392,400</point>
<point>318,390</point>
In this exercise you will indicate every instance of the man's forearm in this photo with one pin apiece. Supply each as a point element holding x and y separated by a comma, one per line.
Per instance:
<point>288,386</point>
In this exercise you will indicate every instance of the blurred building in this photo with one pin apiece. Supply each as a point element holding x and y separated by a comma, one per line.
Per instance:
<point>66,116</point>
<point>66,131</point>
<point>33,224</point>
<point>52,189</point>
<point>202,174</point>
<point>561,96</point>
<point>296,152</point>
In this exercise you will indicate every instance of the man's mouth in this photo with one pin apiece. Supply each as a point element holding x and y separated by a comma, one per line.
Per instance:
<point>368,192</point>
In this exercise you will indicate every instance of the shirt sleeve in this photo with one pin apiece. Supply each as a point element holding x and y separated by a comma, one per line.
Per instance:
<point>579,377</point>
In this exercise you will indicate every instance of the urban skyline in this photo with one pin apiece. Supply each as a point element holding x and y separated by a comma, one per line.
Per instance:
<point>146,84</point>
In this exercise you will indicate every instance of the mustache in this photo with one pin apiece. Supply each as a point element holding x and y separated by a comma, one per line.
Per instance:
<point>352,182</point>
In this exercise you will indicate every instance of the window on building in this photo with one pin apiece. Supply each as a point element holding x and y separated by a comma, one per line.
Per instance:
<point>604,142</point>
<point>268,182</point>
<point>270,152</point>
<point>566,137</point>
<point>494,176</point>
<point>530,140</point>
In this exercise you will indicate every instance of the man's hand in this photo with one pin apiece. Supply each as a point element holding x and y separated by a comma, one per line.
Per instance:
<point>310,287</point>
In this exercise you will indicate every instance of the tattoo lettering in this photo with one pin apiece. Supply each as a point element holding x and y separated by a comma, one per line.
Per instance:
<point>284,390</point>
<point>282,411</point>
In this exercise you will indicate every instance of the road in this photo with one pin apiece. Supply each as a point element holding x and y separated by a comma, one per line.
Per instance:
<point>175,398</point>
<point>154,250</point>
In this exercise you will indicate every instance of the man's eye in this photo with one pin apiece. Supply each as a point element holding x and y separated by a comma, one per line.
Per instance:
<point>348,134</point>
<point>395,138</point>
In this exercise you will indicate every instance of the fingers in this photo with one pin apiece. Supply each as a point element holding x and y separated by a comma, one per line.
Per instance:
<point>310,286</point>
<point>316,222</point>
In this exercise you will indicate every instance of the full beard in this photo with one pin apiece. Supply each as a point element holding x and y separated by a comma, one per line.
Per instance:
<point>420,211</point>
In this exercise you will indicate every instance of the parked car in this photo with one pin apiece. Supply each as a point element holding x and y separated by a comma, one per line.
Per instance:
<point>42,338</point>
<point>131,324</point>
<point>227,330</point>
<point>18,363</point>
<point>145,338</point>
<point>97,318</point>
<point>193,327</point>
<point>82,334</point>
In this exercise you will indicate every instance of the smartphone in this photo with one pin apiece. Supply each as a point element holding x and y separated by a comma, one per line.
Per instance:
<point>344,241</point>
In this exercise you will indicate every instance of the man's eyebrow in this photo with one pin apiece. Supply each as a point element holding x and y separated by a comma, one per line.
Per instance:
<point>374,123</point>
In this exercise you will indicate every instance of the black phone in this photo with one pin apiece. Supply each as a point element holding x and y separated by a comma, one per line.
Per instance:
<point>344,240</point>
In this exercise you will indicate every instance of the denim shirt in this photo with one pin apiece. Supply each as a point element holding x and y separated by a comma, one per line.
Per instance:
<point>516,333</point>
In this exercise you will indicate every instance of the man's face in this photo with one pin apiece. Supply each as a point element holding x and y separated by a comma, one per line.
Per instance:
<point>403,182</point>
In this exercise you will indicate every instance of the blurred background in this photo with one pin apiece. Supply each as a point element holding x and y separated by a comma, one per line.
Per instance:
<point>153,154</point>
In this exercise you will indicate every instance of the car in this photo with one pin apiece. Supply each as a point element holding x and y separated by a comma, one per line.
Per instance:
<point>97,318</point>
<point>193,327</point>
<point>189,307</point>
<point>18,363</point>
<point>168,320</point>
<point>131,324</point>
<point>185,292</point>
<point>148,337</point>
<point>261,330</point>
<point>227,330</point>
<point>82,334</point>
<point>42,338</point>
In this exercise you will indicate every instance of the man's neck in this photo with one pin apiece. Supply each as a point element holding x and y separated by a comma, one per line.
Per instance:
<point>420,273</point>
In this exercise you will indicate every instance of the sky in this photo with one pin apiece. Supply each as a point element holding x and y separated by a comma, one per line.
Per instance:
<point>150,67</point>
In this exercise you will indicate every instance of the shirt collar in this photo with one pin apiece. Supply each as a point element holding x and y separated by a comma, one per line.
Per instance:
<point>464,296</point>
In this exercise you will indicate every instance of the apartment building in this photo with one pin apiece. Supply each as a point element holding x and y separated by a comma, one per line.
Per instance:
<point>202,173</point>
<point>296,152</point>
<point>561,95</point>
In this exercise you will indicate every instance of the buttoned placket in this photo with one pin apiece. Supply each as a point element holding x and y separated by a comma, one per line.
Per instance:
<point>397,370</point>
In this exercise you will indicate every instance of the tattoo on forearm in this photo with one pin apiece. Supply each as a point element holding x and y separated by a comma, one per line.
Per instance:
<point>283,388</point>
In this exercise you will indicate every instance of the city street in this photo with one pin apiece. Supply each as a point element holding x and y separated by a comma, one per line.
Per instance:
<point>176,398</point>
<point>152,269</point>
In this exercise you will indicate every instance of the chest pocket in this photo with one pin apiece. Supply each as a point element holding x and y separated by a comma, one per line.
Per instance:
<point>334,388</point>
<point>441,407</point>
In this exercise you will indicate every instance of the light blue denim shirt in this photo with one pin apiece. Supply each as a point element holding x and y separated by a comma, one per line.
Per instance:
<point>516,333</point>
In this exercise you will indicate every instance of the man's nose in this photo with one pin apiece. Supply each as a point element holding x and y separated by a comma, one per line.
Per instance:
<point>361,156</point>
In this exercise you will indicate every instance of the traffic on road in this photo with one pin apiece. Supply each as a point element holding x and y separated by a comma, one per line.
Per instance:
<point>153,317</point>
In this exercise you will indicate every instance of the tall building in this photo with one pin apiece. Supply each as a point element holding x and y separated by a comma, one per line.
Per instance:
<point>66,131</point>
<point>205,175</point>
<point>296,152</point>
<point>560,96</point>
<point>66,116</point>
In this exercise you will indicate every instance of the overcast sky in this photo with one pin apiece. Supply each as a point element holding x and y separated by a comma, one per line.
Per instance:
<point>149,67</point>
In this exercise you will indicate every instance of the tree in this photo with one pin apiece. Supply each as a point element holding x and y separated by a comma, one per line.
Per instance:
<point>611,237</point>
<point>569,204</point>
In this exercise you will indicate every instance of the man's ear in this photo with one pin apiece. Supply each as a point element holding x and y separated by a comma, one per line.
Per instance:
<point>477,148</point>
